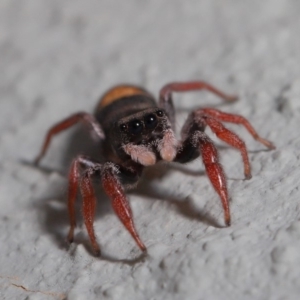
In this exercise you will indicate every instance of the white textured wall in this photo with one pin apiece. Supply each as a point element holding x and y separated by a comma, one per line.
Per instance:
<point>57,57</point>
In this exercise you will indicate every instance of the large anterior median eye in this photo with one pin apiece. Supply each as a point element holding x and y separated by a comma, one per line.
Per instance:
<point>135,126</point>
<point>150,121</point>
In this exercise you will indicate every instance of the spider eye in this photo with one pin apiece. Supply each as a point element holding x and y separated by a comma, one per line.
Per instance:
<point>123,127</point>
<point>160,113</point>
<point>150,121</point>
<point>135,126</point>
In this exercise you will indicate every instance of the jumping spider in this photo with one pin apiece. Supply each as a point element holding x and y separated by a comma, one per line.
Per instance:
<point>137,132</point>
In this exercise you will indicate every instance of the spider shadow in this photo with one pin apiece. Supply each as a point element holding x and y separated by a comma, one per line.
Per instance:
<point>54,221</point>
<point>184,205</point>
<point>54,207</point>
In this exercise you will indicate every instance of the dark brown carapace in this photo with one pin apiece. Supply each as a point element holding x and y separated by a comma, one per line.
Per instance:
<point>138,132</point>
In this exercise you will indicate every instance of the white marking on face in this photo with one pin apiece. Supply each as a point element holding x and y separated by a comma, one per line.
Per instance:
<point>167,146</point>
<point>140,154</point>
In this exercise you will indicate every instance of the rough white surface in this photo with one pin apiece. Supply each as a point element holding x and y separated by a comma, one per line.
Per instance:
<point>57,57</point>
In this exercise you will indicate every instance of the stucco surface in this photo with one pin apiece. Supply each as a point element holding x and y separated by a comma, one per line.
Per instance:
<point>58,57</point>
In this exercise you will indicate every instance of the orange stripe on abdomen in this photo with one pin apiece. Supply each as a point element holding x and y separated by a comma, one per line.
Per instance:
<point>119,92</point>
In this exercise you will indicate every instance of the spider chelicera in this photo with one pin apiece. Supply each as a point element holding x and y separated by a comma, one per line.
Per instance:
<point>137,132</point>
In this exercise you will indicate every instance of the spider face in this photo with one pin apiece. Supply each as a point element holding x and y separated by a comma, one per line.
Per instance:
<point>143,127</point>
<point>136,132</point>
<point>145,137</point>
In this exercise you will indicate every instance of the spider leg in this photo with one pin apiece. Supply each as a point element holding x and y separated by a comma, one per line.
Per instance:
<point>198,142</point>
<point>112,187</point>
<point>232,118</point>
<point>65,124</point>
<point>214,171</point>
<point>74,178</point>
<point>230,138</point>
<point>115,191</point>
<point>89,205</point>
<point>165,96</point>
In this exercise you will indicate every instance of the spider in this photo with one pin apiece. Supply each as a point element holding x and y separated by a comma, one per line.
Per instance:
<point>136,132</point>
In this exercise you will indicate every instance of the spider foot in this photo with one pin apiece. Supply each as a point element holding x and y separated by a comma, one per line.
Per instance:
<point>97,251</point>
<point>248,176</point>
<point>231,98</point>
<point>70,237</point>
<point>267,143</point>
<point>228,220</point>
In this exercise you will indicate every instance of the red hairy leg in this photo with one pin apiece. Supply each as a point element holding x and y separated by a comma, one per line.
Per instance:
<point>89,208</point>
<point>232,139</point>
<point>214,171</point>
<point>74,177</point>
<point>237,119</point>
<point>67,123</point>
<point>165,95</point>
<point>192,86</point>
<point>120,204</point>
<point>72,193</point>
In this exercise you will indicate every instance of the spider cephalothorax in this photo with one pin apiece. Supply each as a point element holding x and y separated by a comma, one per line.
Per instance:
<point>137,132</point>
